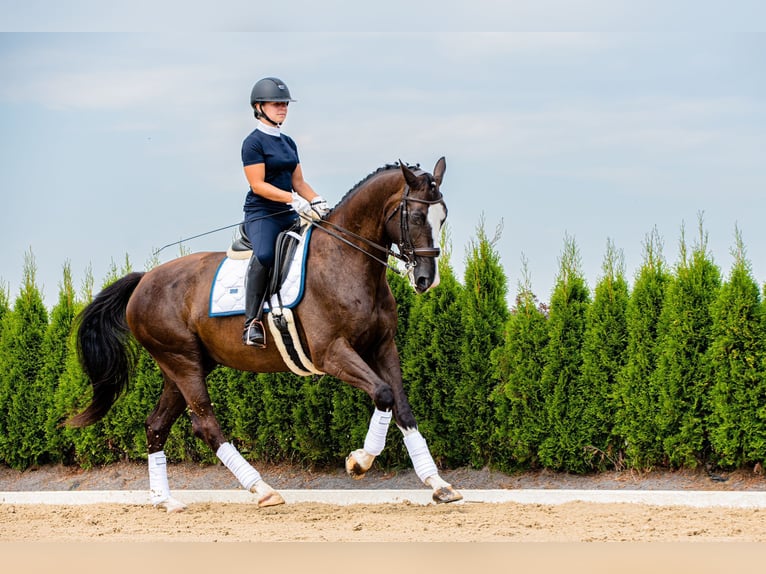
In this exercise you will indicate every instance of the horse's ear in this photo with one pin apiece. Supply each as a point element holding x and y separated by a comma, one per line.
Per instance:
<point>409,177</point>
<point>439,169</point>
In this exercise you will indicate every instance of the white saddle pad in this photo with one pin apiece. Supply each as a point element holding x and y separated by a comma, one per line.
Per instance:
<point>227,294</point>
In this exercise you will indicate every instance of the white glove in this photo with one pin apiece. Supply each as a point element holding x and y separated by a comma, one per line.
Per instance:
<point>300,205</point>
<point>319,205</point>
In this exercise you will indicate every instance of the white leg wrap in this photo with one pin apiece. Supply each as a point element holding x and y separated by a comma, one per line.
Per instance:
<point>159,491</point>
<point>236,463</point>
<point>376,434</point>
<point>424,464</point>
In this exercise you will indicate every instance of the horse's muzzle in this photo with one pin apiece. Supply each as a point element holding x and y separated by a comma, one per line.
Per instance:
<point>422,284</point>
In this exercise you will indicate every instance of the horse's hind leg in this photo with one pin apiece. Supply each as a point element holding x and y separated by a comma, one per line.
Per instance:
<point>158,426</point>
<point>206,427</point>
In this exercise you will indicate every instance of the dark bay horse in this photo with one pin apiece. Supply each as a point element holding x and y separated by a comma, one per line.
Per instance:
<point>347,316</point>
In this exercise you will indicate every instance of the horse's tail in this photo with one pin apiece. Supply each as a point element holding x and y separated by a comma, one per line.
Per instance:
<point>104,348</point>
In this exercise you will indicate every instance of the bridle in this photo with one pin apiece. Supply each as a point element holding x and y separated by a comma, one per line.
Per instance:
<point>407,252</point>
<point>405,241</point>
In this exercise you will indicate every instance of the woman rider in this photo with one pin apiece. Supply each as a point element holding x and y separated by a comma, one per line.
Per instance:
<point>273,170</point>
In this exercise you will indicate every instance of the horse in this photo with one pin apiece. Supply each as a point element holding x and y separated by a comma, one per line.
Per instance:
<point>347,319</point>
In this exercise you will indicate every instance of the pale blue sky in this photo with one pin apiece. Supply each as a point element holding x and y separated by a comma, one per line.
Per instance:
<point>572,118</point>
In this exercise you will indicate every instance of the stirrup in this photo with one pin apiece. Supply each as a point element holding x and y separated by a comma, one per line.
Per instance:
<point>254,334</point>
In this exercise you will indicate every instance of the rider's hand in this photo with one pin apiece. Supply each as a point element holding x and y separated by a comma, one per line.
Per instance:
<point>301,205</point>
<point>320,207</point>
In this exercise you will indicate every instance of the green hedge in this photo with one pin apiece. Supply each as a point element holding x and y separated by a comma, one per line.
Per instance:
<point>665,372</point>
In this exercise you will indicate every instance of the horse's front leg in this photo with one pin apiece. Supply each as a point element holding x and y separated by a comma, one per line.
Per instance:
<point>387,368</point>
<point>417,447</point>
<point>360,461</point>
<point>425,468</point>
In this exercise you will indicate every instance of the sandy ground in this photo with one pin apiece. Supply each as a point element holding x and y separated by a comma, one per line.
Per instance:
<point>312,522</point>
<point>574,537</point>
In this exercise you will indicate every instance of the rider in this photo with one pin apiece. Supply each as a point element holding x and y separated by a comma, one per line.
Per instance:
<point>277,194</point>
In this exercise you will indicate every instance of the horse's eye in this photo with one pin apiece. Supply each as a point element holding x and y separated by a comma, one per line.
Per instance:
<point>417,218</point>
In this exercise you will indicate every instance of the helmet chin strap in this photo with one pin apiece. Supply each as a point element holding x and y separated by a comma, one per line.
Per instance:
<point>260,112</point>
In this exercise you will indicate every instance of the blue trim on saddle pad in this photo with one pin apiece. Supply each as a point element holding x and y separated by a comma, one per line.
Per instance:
<point>292,289</point>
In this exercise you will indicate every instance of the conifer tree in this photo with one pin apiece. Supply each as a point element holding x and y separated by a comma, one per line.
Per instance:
<point>70,395</point>
<point>92,445</point>
<point>313,441</point>
<point>246,410</point>
<point>682,377</point>
<point>604,356</point>
<point>4,300</point>
<point>484,313</point>
<point>637,409</point>
<point>218,384</point>
<point>54,351</point>
<point>562,447</point>
<point>404,295</point>
<point>4,364</point>
<point>276,433</point>
<point>518,366</point>
<point>431,360</point>
<point>22,424</point>
<point>737,420</point>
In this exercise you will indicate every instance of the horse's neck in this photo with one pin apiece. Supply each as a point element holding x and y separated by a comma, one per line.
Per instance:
<point>366,216</point>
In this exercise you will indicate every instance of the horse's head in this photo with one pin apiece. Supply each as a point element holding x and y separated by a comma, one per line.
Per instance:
<point>422,213</point>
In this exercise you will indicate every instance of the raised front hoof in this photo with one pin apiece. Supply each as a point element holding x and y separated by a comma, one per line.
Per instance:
<point>270,499</point>
<point>353,468</point>
<point>446,494</point>
<point>171,505</point>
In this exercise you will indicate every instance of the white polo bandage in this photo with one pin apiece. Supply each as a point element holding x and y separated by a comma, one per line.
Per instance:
<point>424,464</point>
<point>159,491</point>
<point>236,463</point>
<point>376,434</point>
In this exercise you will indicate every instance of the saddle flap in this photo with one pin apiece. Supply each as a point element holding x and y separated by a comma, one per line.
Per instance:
<point>287,243</point>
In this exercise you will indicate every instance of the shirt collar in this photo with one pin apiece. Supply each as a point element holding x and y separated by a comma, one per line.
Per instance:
<point>267,129</point>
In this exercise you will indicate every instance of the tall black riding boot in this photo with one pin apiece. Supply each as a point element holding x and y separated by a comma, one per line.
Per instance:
<point>256,283</point>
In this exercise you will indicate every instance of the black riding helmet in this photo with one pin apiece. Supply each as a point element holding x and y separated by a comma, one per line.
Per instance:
<point>269,90</point>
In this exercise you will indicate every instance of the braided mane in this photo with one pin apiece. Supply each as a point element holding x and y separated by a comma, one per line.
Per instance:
<point>387,167</point>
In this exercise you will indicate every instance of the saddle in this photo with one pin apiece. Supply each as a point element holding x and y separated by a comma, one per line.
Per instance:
<point>287,242</point>
<point>280,318</point>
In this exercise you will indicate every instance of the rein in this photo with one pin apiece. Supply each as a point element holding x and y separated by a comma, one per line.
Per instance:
<point>406,253</point>
<point>219,229</point>
<point>316,223</point>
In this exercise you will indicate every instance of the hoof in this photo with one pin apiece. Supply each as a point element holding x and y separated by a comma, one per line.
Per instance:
<point>446,494</point>
<point>353,468</point>
<point>270,499</point>
<point>171,505</point>
<point>358,463</point>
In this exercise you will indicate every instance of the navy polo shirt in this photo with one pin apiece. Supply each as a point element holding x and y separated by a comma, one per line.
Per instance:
<point>280,155</point>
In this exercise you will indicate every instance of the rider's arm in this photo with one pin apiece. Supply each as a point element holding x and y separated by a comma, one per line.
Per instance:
<point>256,177</point>
<point>301,186</point>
